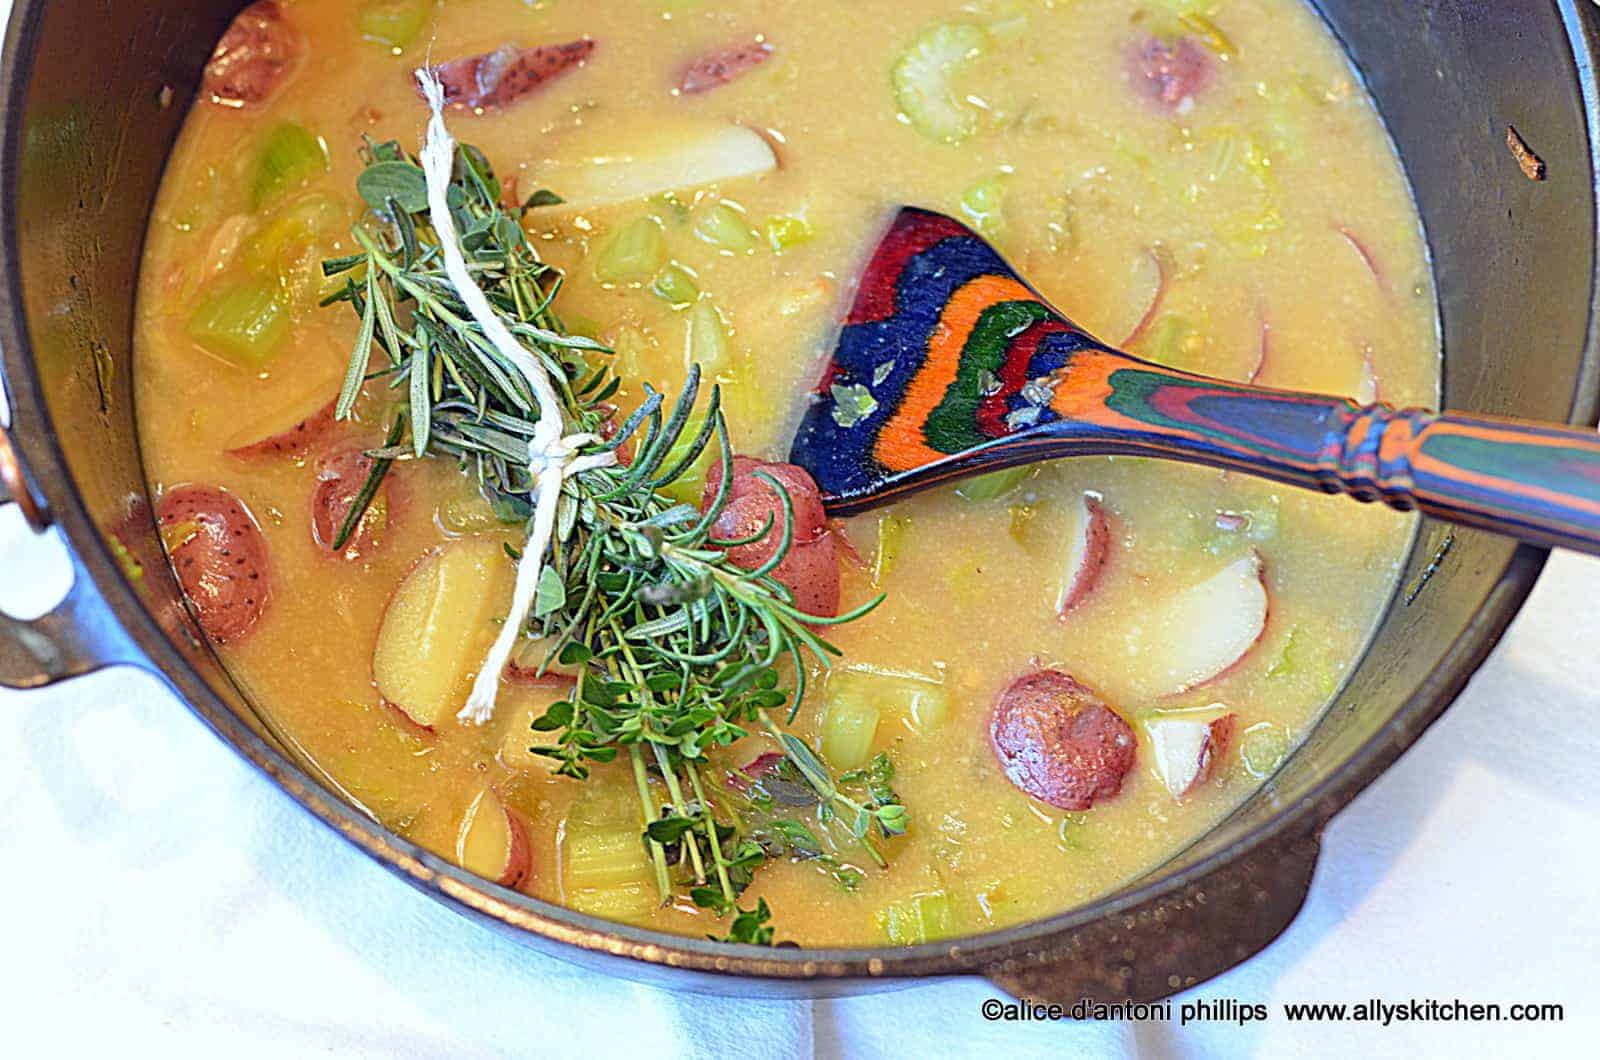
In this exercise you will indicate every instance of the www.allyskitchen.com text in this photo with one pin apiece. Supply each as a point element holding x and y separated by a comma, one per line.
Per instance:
<point>1231,1010</point>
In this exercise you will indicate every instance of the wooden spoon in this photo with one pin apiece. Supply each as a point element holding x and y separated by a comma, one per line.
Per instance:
<point>950,365</point>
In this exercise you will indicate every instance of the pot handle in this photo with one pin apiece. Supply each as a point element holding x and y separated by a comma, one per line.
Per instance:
<point>74,639</point>
<point>1175,942</point>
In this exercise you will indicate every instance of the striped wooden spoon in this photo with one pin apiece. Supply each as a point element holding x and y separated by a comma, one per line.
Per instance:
<point>950,365</point>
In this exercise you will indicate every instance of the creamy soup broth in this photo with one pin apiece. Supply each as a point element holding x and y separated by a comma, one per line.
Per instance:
<point>1262,212</point>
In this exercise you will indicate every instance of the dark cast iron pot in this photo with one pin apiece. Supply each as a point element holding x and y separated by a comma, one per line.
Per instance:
<point>93,94</point>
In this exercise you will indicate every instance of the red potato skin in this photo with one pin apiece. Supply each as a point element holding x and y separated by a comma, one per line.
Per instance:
<point>1165,75</point>
<point>716,68</point>
<point>519,859</point>
<point>252,57</point>
<point>530,677</point>
<point>1233,667</point>
<point>1215,748</point>
<point>220,557</point>
<point>340,476</point>
<point>1154,309</point>
<point>811,568</point>
<point>758,768</point>
<point>1094,557</point>
<point>294,441</point>
<point>1059,742</point>
<point>502,77</point>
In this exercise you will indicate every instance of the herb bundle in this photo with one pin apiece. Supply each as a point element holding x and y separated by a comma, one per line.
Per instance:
<point>679,652</point>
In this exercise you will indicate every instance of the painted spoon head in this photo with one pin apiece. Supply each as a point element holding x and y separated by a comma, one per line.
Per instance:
<point>938,371</point>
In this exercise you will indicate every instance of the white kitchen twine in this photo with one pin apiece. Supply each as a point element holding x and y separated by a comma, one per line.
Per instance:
<point>552,455</point>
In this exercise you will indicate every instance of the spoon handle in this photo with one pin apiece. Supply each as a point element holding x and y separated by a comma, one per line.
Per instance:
<point>1536,482</point>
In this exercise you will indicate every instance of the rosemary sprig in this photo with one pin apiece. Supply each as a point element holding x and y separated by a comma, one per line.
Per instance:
<point>679,652</point>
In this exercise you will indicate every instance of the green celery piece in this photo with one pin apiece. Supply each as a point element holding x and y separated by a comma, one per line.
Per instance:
<point>724,227</point>
<point>633,254</point>
<point>786,233</point>
<point>920,918</point>
<point>675,285</point>
<point>290,156</point>
<point>393,23</point>
<point>849,725</point>
<point>243,323</point>
<point>922,81</point>
<point>995,484</point>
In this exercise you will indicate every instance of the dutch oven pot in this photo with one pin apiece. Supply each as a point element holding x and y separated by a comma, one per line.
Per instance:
<point>93,95</point>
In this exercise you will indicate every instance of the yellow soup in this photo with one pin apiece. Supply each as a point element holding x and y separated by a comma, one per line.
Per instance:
<point>1206,183</point>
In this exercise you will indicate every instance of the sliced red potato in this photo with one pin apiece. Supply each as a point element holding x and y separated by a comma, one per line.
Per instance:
<point>1059,742</point>
<point>1149,288</point>
<point>521,706</point>
<point>1264,351</point>
<point>531,665</point>
<point>1087,551</point>
<point>1170,77</point>
<point>716,68</point>
<point>220,557</point>
<point>252,57</point>
<point>1368,258</point>
<point>811,568</point>
<point>493,842</point>
<point>437,627</point>
<point>1198,633</point>
<point>341,475</point>
<point>288,430</point>
<point>670,158</point>
<point>507,74</point>
<point>1125,302</point>
<point>1187,744</point>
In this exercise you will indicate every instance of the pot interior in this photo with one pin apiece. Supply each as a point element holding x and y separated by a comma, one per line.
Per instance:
<point>92,116</point>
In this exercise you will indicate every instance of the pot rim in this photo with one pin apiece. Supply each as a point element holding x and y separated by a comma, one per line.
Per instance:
<point>149,648</point>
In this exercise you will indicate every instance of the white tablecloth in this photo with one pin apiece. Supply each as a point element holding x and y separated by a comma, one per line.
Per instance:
<point>160,899</point>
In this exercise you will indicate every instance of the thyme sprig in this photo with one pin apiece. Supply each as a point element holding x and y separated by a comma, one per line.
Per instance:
<point>679,653</point>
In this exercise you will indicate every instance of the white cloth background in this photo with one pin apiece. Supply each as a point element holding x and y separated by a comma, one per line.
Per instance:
<point>157,898</point>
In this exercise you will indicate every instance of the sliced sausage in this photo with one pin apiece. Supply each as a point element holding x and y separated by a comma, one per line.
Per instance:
<point>1059,742</point>
<point>1167,75</point>
<point>219,556</point>
<point>505,75</point>
<point>340,476</point>
<point>716,68</point>
<point>811,567</point>
<point>251,58</point>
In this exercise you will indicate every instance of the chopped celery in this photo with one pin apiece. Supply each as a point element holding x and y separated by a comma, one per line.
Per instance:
<point>891,534</point>
<point>604,868</point>
<point>787,232</point>
<point>675,285</point>
<point>706,341</point>
<point>920,701</point>
<point>723,225</point>
<point>1263,748</point>
<point>995,484</point>
<point>688,487</point>
<point>1172,340</point>
<point>849,725</point>
<point>922,81</point>
<point>394,24</point>
<point>633,254</point>
<point>243,323</point>
<point>1209,33</point>
<point>1287,664</point>
<point>292,245</point>
<point>982,204</point>
<point>920,918</point>
<point>290,156</point>
<point>606,871</point>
